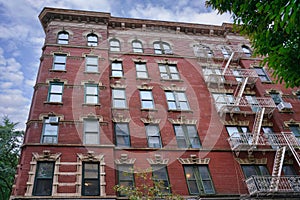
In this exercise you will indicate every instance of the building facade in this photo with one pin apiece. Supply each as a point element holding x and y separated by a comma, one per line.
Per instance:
<point>187,101</point>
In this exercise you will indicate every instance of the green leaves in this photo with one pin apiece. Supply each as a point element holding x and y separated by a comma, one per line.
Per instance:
<point>274,30</point>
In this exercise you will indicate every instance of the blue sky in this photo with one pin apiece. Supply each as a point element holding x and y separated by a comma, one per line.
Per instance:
<point>22,37</point>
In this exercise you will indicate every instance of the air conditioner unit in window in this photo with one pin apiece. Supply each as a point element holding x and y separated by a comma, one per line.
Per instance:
<point>284,106</point>
<point>168,51</point>
<point>53,120</point>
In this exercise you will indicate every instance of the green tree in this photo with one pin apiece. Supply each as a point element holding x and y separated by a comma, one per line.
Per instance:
<point>147,189</point>
<point>274,30</point>
<point>10,141</point>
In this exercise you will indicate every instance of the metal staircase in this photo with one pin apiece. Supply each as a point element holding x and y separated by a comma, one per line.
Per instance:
<point>257,125</point>
<point>277,168</point>
<point>293,150</point>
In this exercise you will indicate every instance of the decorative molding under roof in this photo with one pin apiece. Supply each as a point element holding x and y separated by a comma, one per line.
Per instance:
<point>182,120</point>
<point>119,118</point>
<point>173,88</point>
<point>125,160</point>
<point>158,160</point>
<point>90,157</point>
<point>46,156</point>
<point>194,160</point>
<point>150,120</point>
<point>251,161</point>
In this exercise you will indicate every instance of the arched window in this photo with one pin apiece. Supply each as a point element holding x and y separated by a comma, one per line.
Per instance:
<point>92,40</point>
<point>114,45</point>
<point>137,46</point>
<point>246,51</point>
<point>63,37</point>
<point>201,50</point>
<point>162,48</point>
<point>226,51</point>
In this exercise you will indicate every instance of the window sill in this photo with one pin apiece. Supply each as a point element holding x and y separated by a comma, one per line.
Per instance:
<point>86,72</point>
<point>91,104</point>
<point>172,80</point>
<point>149,109</point>
<point>120,108</point>
<point>117,77</point>
<point>53,103</point>
<point>187,111</point>
<point>57,70</point>
<point>148,79</point>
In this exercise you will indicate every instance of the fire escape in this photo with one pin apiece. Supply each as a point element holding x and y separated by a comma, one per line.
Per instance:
<point>258,186</point>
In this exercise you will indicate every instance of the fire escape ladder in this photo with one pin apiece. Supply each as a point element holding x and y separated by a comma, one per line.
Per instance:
<point>227,64</point>
<point>257,125</point>
<point>277,168</point>
<point>293,150</point>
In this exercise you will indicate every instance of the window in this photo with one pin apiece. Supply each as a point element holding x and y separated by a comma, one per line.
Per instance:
<point>153,136</point>
<point>162,48</point>
<point>55,92</point>
<point>198,179</point>
<point>201,50</point>
<point>92,40</point>
<point>43,179</point>
<point>296,131</point>
<point>246,51</point>
<point>269,134</point>
<point>187,136</point>
<point>160,176</point>
<point>177,101</point>
<point>168,72</point>
<point>141,70</point>
<point>122,135</point>
<point>252,101</point>
<point>276,98</point>
<point>91,94</point>
<point>91,131</point>
<point>137,47</point>
<point>91,64</point>
<point>146,99</point>
<point>255,170</point>
<point>116,69</point>
<point>289,170</point>
<point>222,100</point>
<point>213,75</point>
<point>125,176</point>
<point>90,179</point>
<point>50,130</point>
<point>114,45</point>
<point>119,98</point>
<point>298,94</point>
<point>226,52</point>
<point>63,37</point>
<point>59,62</point>
<point>262,74</point>
<point>233,131</point>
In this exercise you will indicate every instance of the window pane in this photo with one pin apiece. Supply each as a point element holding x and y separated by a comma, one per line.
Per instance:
<point>170,96</point>
<point>119,103</point>
<point>91,125</point>
<point>154,142</point>
<point>152,130</point>
<point>136,45</point>
<point>91,138</point>
<point>91,68</point>
<point>162,68</point>
<point>43,187</point>
<point>175,76</point>
<point>90,170</point>
<point>184,106</point>
<point>45,170</point>
<point>173,69</point>
<point>147,104</point>
<point>55,98</point>
<point>60,58</point>
<point>181,96</point>
<point>119,94</point>
<point>114,43</point>
<point>140,67</point>
<point>92,90</point>
<point>172,105</point>
<point>249,170</point>
<point>116,66</point>
<point>92,99</point>
<point>142,74</point>
<point>91,60</point>
<point>91,187</point>
<point>56,88</point>
<point>50,129</point>
<point>43,179</point>
<point>146,95</point>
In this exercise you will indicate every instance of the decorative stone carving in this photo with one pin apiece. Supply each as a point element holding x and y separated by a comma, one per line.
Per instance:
<point>182,120</point>
<point>194,160</point>
<point>173,88</point>
<point>125,160</point>
<point>251,160</point>
<point>90,157</point>
<point>150,120</point>
<point>119,118</point>
<point>158,160</point>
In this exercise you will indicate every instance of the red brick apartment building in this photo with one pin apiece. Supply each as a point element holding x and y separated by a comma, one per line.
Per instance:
<point>188,101</point>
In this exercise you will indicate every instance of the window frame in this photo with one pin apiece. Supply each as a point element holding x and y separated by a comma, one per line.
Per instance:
<point>158,170</point>
<point>247,51</point>
<point>162,48</point>
<point>47,123</point>
<point>89,65</point>
<point>175,100</point>
<point>262,74</point>
<point>61,39</point>
<point>187,137</point>
<point>141,71</point>
<point>114,47</point>
<point>155,135</point>
<point>116,71</point>
<point>122,134</point>
<point>168,73</point>
<point>226,51</point>
<point>84,180</point>
<point>260,170</point>
<point>137,49</point>
<point>126,171</point>
<point>57,63</point>
<point>201,50</point>
<point>86,94</point>
<point>55,93</point>
<point>197,177</point>
<point>123,99</point>
<point>92,43</point>
<point>38,179</point>
<point>147,100</point>
<point>277,98</point>
<point>89,132</point>
<point>295,129</point>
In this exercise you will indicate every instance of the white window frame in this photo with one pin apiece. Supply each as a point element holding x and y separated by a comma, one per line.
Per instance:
<point>88,94</point>
<point>90,64</point>
<point>141,73</point>
<point>168,72</point>
<point>173,97</point>
<point>88,131</point>
<point>121,98</point>
<point>153,135</point>
<point>59,62</point>
<point>146,97</point>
